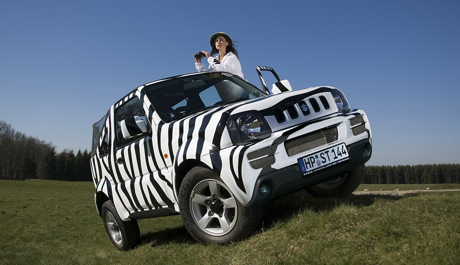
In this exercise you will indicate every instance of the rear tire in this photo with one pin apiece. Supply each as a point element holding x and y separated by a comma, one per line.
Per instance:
<point>339,187</point>
<point>124,235</point>
<point>210,211</point>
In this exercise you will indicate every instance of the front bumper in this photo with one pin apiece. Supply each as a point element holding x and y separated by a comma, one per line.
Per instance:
<point>289,179</point>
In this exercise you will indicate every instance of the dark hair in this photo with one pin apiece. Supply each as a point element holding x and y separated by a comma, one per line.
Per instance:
<point>230,47</point>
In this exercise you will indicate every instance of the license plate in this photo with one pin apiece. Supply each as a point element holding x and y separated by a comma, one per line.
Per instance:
<point>322,159</point>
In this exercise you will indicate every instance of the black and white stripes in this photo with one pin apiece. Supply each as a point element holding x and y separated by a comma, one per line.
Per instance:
<point>142,173</point>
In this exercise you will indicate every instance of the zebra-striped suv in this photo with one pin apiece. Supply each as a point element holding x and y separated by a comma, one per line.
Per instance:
<point>214,148</point>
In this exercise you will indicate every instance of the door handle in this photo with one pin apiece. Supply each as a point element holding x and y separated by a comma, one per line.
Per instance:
<point>120,160</point>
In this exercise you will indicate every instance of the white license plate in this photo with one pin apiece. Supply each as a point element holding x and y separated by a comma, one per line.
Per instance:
<point>322,159</point>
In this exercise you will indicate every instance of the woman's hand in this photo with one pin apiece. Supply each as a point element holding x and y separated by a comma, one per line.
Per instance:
<point>207,54</point>
<point>197,59</point>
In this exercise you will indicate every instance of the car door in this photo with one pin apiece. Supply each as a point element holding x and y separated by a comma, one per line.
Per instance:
<point>143,186</point>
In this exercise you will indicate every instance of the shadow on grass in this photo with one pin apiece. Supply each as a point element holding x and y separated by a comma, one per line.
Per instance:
<point>288,207</point>
<point>280,210</point>
<point>177,235</point>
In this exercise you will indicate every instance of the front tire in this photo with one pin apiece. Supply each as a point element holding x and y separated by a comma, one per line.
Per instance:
<point>124,235</point>
<point>210,211</point>
<point>339,187</point>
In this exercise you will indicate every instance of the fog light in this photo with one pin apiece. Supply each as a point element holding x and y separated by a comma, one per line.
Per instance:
<point>265,190</point>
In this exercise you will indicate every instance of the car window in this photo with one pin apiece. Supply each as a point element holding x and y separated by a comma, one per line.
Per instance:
<point>98,128</point>
<point>177,97</point>
<point>105,145</point>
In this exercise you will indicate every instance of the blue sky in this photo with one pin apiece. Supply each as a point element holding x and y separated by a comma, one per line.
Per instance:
<point>63,63</point>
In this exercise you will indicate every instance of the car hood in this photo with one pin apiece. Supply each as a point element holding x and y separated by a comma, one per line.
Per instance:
<point>280,110</point>
<point>290,108</point>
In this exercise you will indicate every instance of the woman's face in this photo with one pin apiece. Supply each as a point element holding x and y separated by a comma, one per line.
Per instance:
<point>221,43</point>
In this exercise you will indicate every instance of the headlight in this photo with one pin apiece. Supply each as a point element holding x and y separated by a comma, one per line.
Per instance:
<point>340,100</point>
<point>248,126</point>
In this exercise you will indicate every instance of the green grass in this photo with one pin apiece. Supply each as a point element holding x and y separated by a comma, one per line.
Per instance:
<point>53,222</point>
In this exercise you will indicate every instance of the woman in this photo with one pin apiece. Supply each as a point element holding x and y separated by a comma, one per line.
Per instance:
<point>227,58</point>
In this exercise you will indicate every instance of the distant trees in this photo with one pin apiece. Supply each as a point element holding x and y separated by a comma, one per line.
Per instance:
<point>23,157</point>
<point>418,174</point>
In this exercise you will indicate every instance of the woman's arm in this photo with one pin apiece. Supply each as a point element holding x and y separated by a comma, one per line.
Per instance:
<point>230,64</point>
<point>200,67</point>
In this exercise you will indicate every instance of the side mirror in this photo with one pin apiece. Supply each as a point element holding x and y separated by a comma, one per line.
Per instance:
<point>281,86</point>
<point>133,126</point>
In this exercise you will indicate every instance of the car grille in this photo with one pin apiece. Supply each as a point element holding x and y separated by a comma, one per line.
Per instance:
<point>261,158</point>
<point>260,153</point>
<point>357,125</point>
<point>305,107</point>
<point>312,140</point>
<point>265,157</point>
<point>263,162</point>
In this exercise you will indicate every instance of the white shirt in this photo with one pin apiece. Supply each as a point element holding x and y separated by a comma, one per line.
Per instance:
<point>230,64</point>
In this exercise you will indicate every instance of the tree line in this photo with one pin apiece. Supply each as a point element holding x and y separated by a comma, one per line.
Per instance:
<point>24,157</point>
<point>418,174</point>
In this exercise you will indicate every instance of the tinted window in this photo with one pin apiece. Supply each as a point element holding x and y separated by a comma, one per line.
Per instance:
<point>105,146</point>
<point>97,130</point>
<point>178,97</point>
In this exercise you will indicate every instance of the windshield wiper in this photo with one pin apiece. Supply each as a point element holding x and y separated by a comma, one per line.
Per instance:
<point>230,102</point>
<point>186,113</point>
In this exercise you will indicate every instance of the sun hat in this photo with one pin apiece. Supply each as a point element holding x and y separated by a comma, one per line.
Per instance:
<point>213,36</point>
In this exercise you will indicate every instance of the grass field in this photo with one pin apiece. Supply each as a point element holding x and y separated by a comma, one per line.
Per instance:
<point>55,222</point>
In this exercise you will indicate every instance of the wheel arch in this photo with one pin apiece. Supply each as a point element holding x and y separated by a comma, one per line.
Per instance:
<point>182,170</point>
<point>100,198</point>
<point>103,194</point>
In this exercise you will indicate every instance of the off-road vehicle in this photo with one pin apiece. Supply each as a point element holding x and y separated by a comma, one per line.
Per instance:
<point>215,148</point>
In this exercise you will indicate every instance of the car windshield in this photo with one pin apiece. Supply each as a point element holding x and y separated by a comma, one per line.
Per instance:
<point>177,97</point>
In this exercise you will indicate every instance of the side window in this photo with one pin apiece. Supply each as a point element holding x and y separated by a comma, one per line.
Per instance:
<point>128,114</point>
<point>105,146</point>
